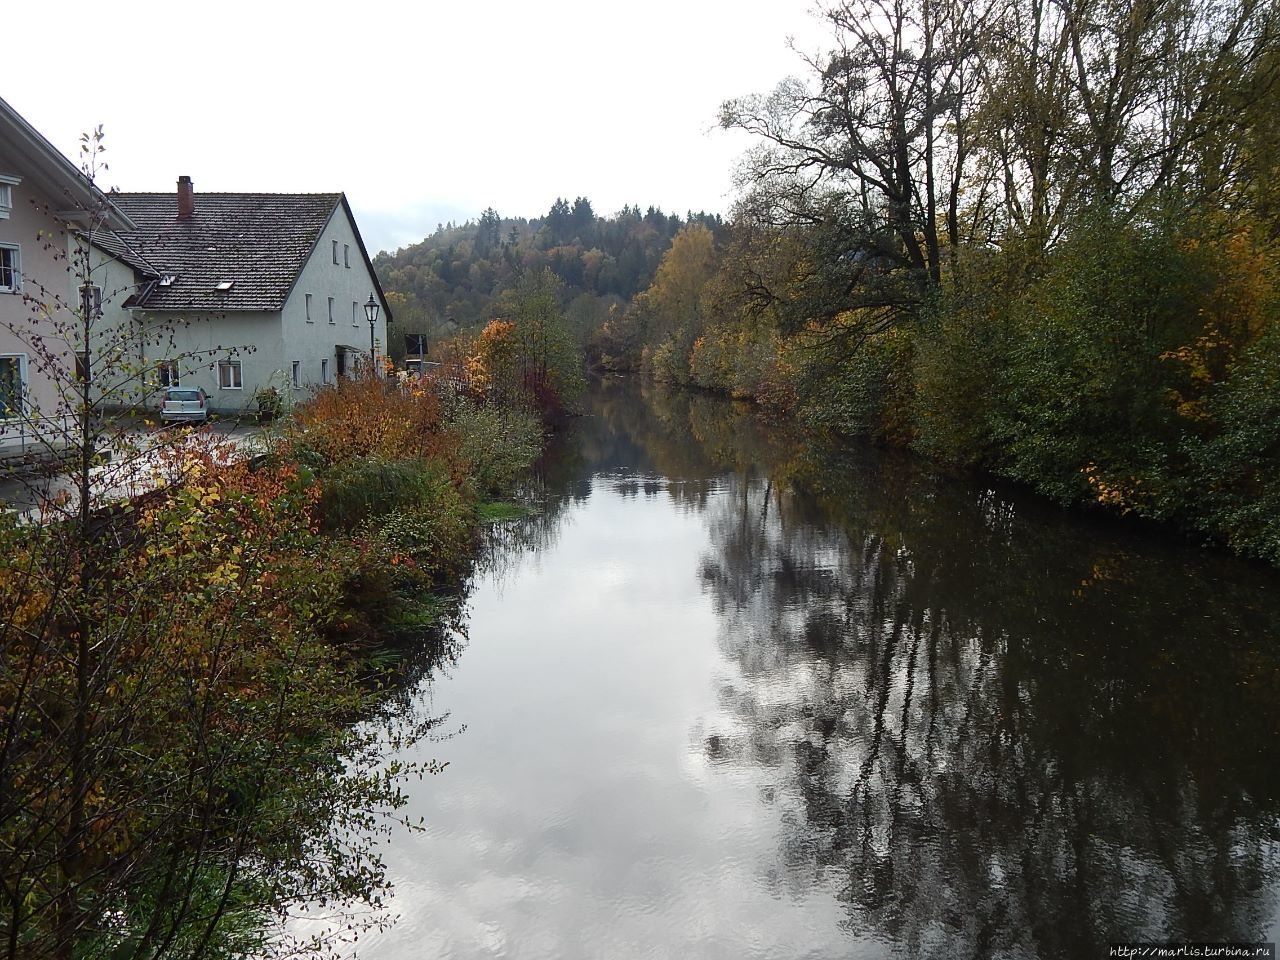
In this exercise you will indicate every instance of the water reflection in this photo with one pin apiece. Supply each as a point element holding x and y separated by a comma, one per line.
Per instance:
<point>730,694</point>
<point>996,729</point>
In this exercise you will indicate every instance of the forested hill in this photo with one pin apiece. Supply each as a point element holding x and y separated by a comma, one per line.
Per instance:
<point>455,279</point>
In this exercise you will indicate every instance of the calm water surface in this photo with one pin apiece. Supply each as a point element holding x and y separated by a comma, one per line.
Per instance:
<point>731,696</point>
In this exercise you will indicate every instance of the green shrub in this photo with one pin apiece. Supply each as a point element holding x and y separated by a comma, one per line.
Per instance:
<point>865,392</point>
<point>1237,469</point>
<point>495,444</point>
<point>433,538</point>
<point>961,342</point>
<point>1084,412</point>
<point>357,490</point>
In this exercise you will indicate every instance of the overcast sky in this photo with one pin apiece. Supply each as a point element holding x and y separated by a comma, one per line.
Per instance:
<point>421,112</point>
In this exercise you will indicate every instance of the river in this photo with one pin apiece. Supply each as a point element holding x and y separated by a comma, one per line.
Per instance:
<point>730,695</point>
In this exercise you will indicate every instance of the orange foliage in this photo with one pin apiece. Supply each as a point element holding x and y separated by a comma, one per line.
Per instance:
<point>365,416</point>
<point>1239,306</point>
<point>492,361</point>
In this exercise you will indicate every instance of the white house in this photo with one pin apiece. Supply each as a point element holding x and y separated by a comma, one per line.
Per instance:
<point>44,199</point>
<point>237,292</point>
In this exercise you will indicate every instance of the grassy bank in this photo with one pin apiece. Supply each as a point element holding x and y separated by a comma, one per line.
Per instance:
<point>179,676</point>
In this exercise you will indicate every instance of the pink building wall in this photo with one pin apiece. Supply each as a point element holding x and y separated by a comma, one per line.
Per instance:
<point>34,320</point>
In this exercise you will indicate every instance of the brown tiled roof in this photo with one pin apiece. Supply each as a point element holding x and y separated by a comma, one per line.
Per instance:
<point>260,241</point>
<point>114,244</point>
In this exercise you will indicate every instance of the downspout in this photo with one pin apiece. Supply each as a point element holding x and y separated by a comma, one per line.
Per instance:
<point>135,316</point>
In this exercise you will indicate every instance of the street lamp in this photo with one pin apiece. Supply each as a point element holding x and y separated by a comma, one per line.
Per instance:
<point>371,314</point>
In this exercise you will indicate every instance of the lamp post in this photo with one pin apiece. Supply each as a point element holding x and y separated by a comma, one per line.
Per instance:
<point>371,314</point>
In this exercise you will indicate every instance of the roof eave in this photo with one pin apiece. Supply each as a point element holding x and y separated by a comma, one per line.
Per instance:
<point>57,175</point>
<point>355,228</point>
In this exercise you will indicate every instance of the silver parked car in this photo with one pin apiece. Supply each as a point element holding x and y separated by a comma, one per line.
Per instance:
<point>184,403</point>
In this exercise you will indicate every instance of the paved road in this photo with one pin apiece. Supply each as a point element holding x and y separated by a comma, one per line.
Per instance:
<point>136,465</point>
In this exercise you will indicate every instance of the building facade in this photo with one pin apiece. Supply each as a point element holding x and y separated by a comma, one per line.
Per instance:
<point>44,201</point>
<point>240,293</point>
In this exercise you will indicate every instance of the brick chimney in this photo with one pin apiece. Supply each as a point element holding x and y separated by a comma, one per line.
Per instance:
<point>186,199</point>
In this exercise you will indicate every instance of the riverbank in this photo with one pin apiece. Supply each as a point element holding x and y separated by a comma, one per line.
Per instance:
<point>1127,367</point>
<point>181,676</point>
<point>1213,489</point>
<point>732,693</point>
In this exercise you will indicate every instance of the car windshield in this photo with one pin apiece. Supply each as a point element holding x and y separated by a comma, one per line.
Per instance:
<point>183,395</point>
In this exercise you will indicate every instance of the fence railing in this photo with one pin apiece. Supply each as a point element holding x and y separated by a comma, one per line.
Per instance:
<point>33,435</point>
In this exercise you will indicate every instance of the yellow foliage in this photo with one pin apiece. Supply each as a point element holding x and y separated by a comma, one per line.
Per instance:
<point>493,358</point>
<point>1119,493</point>
<point>1239,305</point>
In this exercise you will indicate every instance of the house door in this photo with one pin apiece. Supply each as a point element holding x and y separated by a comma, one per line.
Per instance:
<point>342,363</point>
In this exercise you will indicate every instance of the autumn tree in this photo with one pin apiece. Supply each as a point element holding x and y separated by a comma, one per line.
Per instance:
<point>177,764</point>
<point>867,156</point>
<point>671,310</point>
<point>550,362</point>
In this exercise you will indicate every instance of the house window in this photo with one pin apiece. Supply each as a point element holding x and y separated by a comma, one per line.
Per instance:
<point>168,370</point>
<point>346,255</point>
<point>297,374</point>
<point>10,268</point>
<point>6,195</point>
<point>324,370</point>
<point>355,312</point>
<point>90,301</point>
<point>229,375</point>
<point>12,386</point>
<point>335,252</point>
<point>309,320</point>
<point>331,320</point>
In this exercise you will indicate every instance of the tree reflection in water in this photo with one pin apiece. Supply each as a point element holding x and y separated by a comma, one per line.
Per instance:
<point>994,728</point>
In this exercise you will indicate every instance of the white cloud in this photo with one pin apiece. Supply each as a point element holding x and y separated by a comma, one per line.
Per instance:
<point>412,109</point>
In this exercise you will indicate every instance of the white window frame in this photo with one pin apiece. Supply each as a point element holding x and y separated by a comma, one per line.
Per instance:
<point>346,255</point>
<point>308,301</point>
<point>22,379</point>
<point>324,370</point>
<point>335,252</point>
<point>90,301</point>
<point>15,284</point>
<point>297,374</point>
<point>355,312</point>
<point>331,319</point>
<point>7,183</point>
<point>230,367</point>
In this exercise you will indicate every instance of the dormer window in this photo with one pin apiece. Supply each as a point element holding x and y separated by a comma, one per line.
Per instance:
<point>6,194</point>
<point>167,280</point>
<point>225,285</point>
